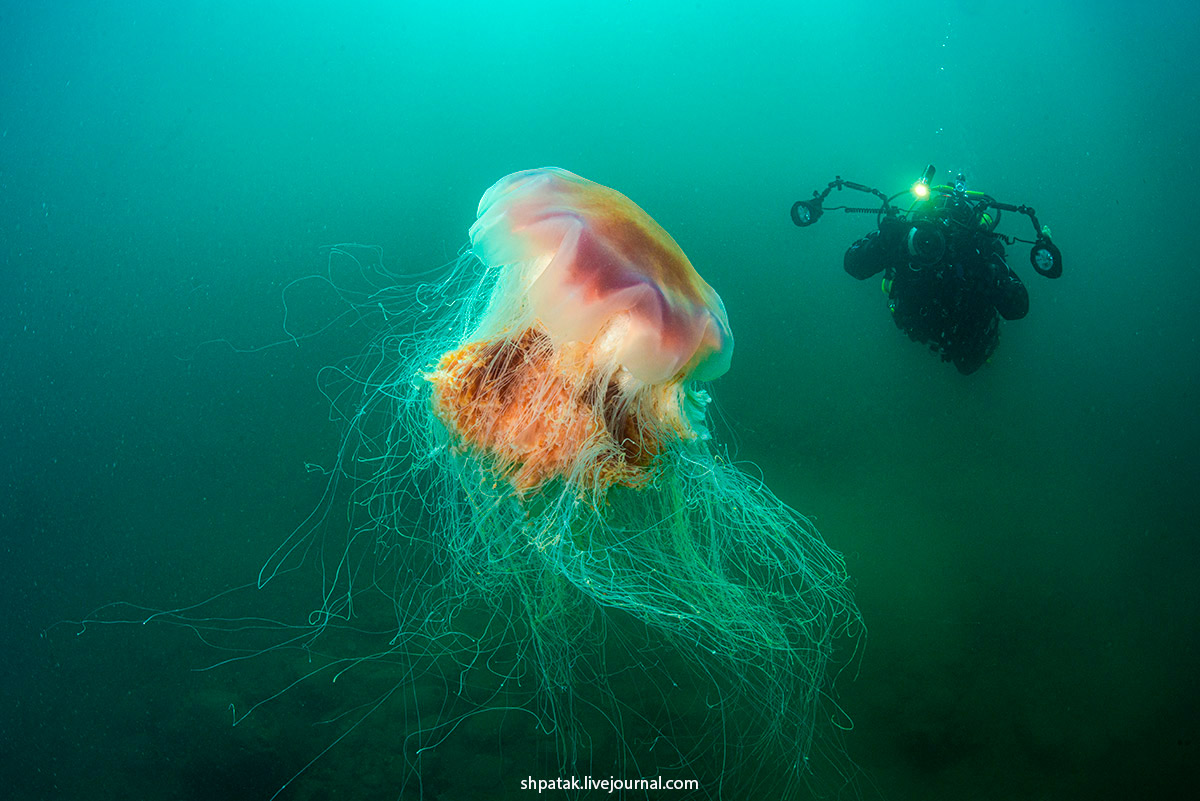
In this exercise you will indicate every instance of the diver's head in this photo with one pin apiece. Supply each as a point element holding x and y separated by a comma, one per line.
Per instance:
<point>948,207</point>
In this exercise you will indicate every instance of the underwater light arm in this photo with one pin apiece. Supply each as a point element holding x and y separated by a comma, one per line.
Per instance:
<point>1044,256</point>
<point>807,212</point>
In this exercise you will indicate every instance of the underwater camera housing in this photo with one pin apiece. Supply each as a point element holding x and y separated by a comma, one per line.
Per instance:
<point>925,243</point>
<point>956,205</point>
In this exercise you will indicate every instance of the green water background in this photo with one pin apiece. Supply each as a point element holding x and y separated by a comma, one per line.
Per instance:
<point>1023,540</point>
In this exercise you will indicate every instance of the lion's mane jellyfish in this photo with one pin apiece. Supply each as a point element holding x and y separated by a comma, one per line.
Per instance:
<point>547,515</point>
<point>528,527</point>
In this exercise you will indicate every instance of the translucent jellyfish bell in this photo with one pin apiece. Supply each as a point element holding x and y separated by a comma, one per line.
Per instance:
<point>594,267</point>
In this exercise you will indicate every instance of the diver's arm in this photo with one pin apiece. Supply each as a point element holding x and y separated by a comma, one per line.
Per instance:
<point>867,256</point>
<point>1004,288</point>
<point>1011,296</point>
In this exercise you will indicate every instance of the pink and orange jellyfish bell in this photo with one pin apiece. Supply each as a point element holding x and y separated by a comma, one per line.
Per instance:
<point>578,368</point>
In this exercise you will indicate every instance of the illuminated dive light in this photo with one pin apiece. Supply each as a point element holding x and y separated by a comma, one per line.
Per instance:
<point>921,187</point>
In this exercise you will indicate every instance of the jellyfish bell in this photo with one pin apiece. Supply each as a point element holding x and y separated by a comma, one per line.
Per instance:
<point>597,320</point>
<point>589,259</point>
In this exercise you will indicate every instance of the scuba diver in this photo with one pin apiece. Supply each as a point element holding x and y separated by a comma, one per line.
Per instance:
<point>943,264</point>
